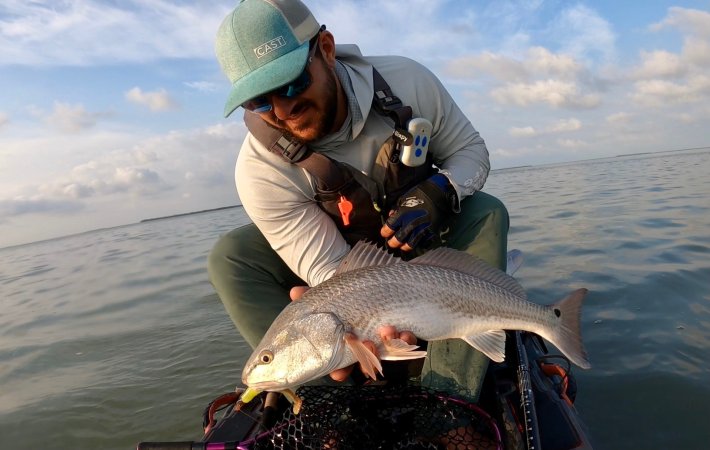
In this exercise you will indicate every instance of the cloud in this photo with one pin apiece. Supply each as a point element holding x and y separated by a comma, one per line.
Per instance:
<point>158,100</point>
<point>95,32</point>
<point>556,93</point>
<point>693,21</point>
<point>538,62</point>
<point>561,126</point>
<point>542,62</point>
<point>659,63</point>
<point>571,143</point>
<point>148,167</point>
<point>662,92</point>
<point>583,33</point>
<point>24,206</point>
<point>694,25</point>
<point>620,118</point>
<point>522,131</point>
<point>499,66</point>
<point>565,125</point>
<point>72,118</point>
<point>665,78</point>
<point>4,119</point>
<point>541,77</point>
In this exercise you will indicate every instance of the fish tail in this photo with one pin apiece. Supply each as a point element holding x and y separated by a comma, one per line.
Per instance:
<point>567,336</point>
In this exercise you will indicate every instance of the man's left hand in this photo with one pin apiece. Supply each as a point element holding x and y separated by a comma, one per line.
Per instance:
<point>420,214</point>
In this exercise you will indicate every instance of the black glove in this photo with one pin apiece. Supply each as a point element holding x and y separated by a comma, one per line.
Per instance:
<point>421,212</point>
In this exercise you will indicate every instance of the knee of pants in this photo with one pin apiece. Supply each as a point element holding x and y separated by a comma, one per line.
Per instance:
<point>486,208</point>
<point>498,213</point>
<point>217,256</point>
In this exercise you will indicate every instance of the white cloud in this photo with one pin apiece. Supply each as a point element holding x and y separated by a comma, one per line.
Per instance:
<point>659,63</point>
<point>694,25</point>
<point>696,52</point>
<point>522,132</point>
<point>620,118</point>
<point>499,66</point>
<point>72,118</point>
<point>148,168</point>
<point>556,93</point>
<point>538,62</point>
<point>91,32</point>
<point>583,33</point>
<point>693,21</point>
<point>561,126</point>
<point>664,78</point>
<point>158,100</point>
<point>22,206</point>
<point>662,92</point>
<point>4,119</point>
<point>542,62</point>
<point>571,143</point>
<point>565,125</point>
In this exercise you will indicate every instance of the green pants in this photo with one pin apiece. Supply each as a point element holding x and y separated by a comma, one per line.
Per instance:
<point>253,283</point>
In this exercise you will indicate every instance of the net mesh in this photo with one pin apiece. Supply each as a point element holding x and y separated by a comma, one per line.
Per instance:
<point>377,417</point>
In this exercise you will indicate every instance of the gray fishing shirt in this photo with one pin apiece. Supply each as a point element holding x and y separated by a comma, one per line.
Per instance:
<point>279,196</point>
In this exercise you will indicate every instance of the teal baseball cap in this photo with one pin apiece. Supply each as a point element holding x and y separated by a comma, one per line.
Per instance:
<point>262,45</point>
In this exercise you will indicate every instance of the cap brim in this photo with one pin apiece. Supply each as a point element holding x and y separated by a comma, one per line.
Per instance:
<point>266,78</point>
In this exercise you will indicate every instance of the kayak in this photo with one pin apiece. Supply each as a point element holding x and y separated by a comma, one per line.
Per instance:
<point>526,402</point>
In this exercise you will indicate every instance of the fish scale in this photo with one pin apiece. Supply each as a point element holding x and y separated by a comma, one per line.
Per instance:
<point>441,295</point>
<point>367,299</point>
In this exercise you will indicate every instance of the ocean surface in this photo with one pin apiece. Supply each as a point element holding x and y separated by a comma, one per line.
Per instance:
<point>115,336</point>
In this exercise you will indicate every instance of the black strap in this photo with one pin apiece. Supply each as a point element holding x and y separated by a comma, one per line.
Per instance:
<point>291,149</point>
<point>388,104</point>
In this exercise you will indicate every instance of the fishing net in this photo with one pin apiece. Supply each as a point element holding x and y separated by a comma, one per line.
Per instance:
<point>379,417</point>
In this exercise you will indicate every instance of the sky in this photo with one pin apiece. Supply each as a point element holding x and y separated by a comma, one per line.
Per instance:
<point>111,111</point>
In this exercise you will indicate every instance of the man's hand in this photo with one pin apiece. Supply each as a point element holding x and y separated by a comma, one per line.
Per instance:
<point>386,332</point>
<point>420,213</point>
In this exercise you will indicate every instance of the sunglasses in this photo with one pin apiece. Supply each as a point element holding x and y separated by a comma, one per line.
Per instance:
<point>261,103</point>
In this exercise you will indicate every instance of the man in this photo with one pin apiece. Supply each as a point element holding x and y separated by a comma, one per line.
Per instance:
<point>297,87</point>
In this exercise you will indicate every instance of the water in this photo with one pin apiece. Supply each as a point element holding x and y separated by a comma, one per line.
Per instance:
<point>116,336</point>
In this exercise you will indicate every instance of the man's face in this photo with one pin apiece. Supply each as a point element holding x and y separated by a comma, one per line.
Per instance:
<point>310,115</point>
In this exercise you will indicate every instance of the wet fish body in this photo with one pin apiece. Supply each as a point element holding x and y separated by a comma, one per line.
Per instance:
<point>443,294</point>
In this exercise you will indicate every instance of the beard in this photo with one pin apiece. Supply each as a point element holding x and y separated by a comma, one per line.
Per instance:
<point>323,120</point>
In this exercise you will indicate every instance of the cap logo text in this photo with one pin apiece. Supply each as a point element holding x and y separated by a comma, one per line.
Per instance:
<point>267,47</point>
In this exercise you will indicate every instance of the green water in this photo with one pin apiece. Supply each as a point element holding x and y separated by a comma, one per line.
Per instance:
<point>116,336</point>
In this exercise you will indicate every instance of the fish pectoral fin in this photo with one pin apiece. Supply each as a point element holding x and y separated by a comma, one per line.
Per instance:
<point>368,361</point>
<point>490,343</point>
<point>399,350</point>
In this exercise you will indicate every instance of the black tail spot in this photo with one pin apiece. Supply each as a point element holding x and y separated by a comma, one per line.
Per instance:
<point>558,313</point>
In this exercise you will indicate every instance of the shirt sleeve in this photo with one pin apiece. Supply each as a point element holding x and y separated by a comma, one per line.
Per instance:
<point>458,149</point>
<point>278,198</point>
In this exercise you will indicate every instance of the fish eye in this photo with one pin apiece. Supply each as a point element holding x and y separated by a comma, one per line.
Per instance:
<point>266,356</point>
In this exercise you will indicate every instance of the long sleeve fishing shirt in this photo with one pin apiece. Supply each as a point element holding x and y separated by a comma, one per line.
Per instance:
<point>279,196</point>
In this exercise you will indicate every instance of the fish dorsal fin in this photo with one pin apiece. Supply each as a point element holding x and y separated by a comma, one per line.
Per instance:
<point>365,254</point>
<point>449,258</point>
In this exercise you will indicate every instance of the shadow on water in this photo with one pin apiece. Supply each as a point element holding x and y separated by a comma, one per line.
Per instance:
<point>646,411</point>
<point>116,336</point>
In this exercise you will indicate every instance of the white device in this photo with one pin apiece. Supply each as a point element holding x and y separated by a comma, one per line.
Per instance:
<point>414,155</point>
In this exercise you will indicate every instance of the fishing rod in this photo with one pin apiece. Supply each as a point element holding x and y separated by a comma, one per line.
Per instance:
<point>527,398</point>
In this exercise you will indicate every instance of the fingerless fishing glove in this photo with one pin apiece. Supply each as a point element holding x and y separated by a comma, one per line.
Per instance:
<point>422,211</point>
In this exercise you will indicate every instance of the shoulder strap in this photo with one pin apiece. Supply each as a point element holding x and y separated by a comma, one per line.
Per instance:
<point>291,149</point>
<point>388,104</point>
